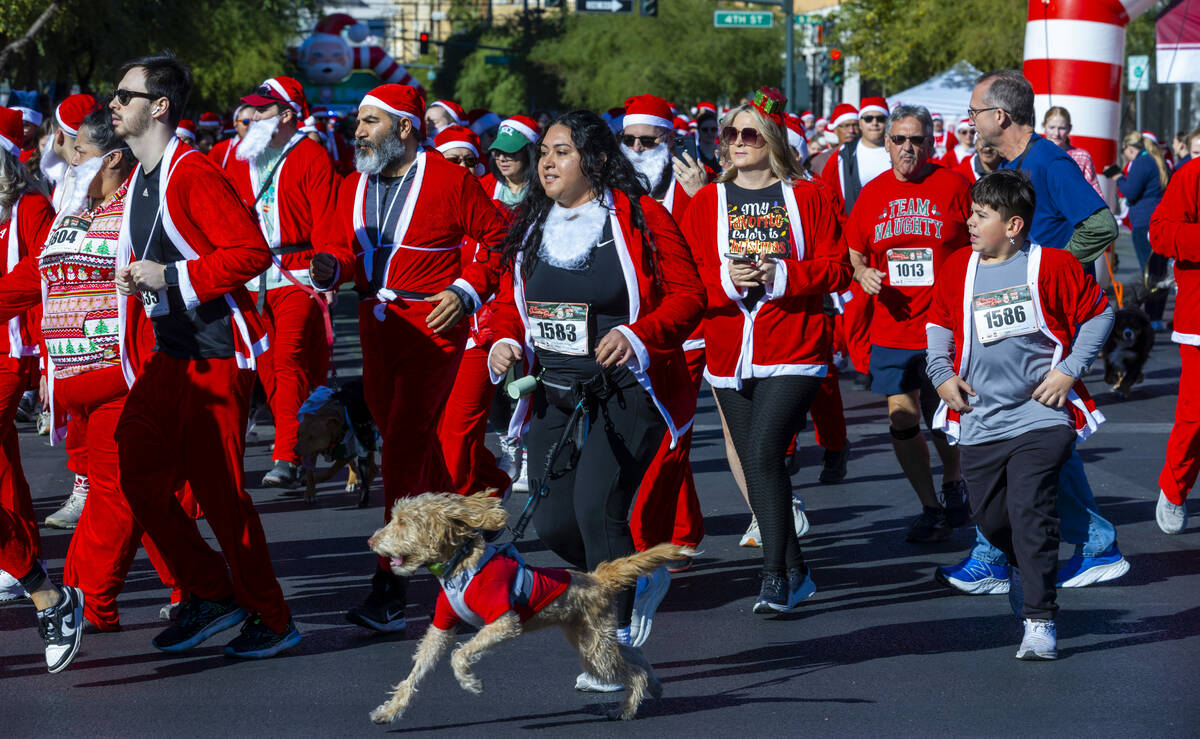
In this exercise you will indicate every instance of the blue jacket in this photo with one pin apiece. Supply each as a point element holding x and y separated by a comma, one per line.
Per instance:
<point>1141,189</point>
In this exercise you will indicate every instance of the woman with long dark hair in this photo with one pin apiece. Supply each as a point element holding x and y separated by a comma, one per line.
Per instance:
<point>768,247</point>
<point>599,295</point>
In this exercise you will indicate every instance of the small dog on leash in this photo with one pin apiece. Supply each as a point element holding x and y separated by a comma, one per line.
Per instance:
<point>336,424</point>
<point>445,532</point>
<point>1127,349</point>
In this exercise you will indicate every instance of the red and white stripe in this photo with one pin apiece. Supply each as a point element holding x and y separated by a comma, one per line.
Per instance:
<point>381,63</point>
<point>1075,58</point>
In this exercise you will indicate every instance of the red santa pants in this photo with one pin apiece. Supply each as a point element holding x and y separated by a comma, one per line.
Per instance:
<point>666,507</point>
<point>185,421</point>
<point>106,538</point>
<point>20,542</point>
<point>408,372</point>
<point>463,428</point>
<point>855,327</point>
<point>296,362</point>
<point>1178,475</point>
<point>828,416</point>
<point>76,441</point>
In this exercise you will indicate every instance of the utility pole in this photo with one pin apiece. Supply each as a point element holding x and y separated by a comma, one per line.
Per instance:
<point>789,86</point>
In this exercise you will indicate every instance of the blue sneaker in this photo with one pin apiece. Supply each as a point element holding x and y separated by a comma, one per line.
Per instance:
<point>975,577</point>
<point>1080,571</point>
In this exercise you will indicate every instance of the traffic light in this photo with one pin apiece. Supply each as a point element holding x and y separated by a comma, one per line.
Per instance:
<point>835,54</point>
<point>836,67</point>
<point>649,8</point>
<point>823,69</point>
<point>424,39</point>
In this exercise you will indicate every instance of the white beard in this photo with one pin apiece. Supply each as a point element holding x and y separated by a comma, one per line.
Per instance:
<point>258,138</point>
<point>570,234</point>
<point>52,165</point>
<point>75,186</point>
<point>651,163</point>
<point>371,159</point>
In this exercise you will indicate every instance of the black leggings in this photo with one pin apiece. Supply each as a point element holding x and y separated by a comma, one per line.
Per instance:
<point>762,418</point>
<point>585,517</point>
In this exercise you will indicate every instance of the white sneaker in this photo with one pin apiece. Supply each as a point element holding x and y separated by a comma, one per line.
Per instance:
<point>1172,519</point>
<point>798,514</point>
<point>511,456</point>
<point>1040,641</point>
<point>651,589</point>
<point>521,484</point>
<point>61,627</point>
<point>10,588</point>
<point>590,684</point>
<point>44,423</point>
<point>753,537</point>
<point>68,516</point>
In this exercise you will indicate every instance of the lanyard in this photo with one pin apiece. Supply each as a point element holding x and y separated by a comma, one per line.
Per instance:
<point>387,215</point>
<point>1028,147</point>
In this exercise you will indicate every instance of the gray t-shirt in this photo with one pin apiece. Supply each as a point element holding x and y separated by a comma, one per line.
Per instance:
<point>1005,371</point>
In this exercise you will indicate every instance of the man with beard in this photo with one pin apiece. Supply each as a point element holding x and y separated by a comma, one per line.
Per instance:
<point>646,142</point>
<point>187,247</point>
<point>222,153</point>
<point>397,234</point>
<point>287,179</point>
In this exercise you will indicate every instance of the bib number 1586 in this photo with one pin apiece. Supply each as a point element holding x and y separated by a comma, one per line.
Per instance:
<point>1001,317</point>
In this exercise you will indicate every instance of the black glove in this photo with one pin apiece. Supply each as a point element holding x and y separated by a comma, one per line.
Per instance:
<point>1111,170</point>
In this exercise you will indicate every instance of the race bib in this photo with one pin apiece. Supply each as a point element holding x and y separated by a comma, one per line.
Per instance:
<point>155,302</point>
<point>67,237</point>
<point>910,267</point>
<point>1003,313</point>
<point>560,327</point>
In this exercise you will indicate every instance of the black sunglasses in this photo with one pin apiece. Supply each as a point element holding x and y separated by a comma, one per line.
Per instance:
<point>750,136</point>
<point>124,96</point>
<point>648,142</point>
<point>468,161</point>
<point>246,121</point>
<point>873,118</point>
<point>914,140</point>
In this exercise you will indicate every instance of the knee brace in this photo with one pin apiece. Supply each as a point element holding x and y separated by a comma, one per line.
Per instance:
<point>902,434</point>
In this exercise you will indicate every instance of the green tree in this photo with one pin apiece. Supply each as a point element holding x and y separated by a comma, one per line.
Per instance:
<point>900,43</point>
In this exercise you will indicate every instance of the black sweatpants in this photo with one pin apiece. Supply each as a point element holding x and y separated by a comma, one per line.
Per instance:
<point>1013,488</point>
<point>585,517</point>
<point>762,419</point>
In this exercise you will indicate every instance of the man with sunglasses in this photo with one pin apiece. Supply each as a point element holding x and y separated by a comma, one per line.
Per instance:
<point>647,141</point>
<point>1068,214</point>
<point>186,248</point>
<point>904,225</point>
<point>287,179</point>
<point>861,159</point>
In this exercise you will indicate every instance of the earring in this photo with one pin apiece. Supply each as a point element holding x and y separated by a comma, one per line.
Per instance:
<point>1012,241</point>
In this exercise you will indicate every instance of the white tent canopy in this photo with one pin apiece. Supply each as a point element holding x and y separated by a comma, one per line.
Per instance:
<point>947,93</point>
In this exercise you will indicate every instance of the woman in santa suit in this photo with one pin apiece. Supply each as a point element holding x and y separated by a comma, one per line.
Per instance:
<point>599,294</point>
<point>768,247</point>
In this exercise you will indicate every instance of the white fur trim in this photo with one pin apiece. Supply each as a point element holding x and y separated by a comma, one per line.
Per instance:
<point>641,360</point>
<point>779,284</point>
<point>466,287</point>
<point>190,299</point>
<point>68,130</point>
<point>520,128</point>
<point>372,100</point>
<point>843,118</point>
<point>271,83</point>
<point>495,378</point>
<point>9,146</point>
<point>634,119</point>
<point>872,109</point>
<point>441,104</point>
<point>29,115</point>
<point>459,145</point>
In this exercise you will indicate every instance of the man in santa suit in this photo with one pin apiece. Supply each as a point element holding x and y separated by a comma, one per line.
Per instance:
<point>859,160</point>
<point>647,141</point>
<point>60,151</point>
<point>982,161</point>
<point>943,139</point>
<point>397,234</point>
<point>187,247</point>
<point>222,153</point>
<point>288,181</point>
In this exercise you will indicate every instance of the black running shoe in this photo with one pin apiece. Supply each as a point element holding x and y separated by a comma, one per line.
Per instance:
<point>930,526</point>
<point>258,641</point>
<point>61,628</point>
<point>773,596</point>
<point>197,620</point>
<point>834,470</point>
<point>283,475</point>
<point>383,610</point>
<point>954,499</point>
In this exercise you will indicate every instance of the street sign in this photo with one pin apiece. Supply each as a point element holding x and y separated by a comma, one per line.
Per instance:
<point>1139,73</point>
<point>809,20</point>
<point>742,19</point>
<point>623,7</point>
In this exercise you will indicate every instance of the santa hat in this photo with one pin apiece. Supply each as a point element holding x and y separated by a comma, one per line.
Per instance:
<point>309,126</point>
<point>964,123</point>
<point>285,90</point>
<point>807,116</point>
<point>843,113</point>
<point>71,112</point>
<point>1150,135</point>
<point>483,120</point>
<point>795,131</point>
<point>29,115</point>
<point>703,106</point>
<point>647,110</point>
<point>873,105</point>
<point>318,111</point>
<point>516,133</point>
<point>209,120</point>
<point>457,137</point>
<point>936,116</point>
<point>681,124</point>
<point>821,123</point>
<point>398,100</point>
<point>334,24</point>
<point>227,126</point>
<point>454,109</point>
<point>12,131</point>
<point>186,129</point>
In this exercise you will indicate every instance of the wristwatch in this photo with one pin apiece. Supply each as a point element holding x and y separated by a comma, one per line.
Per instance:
<point>171,275</point>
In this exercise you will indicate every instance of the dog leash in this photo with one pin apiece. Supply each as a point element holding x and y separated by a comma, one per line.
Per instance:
<point>578,414</point>
<point>1118,288</point>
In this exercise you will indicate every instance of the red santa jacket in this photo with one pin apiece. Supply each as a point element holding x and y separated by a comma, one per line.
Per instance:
<point>223,152</point>
<point>666,301</point>
<point>1063,298</point>
<point>33,216</point>
<point>305,195</point>
<point>1175,233</point>
<point>785,333</point>
<point>444,205</point>
<point>966,168</point>
<point>220,240</point>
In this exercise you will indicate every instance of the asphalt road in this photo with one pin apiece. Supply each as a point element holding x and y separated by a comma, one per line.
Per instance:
<point>881,649</point>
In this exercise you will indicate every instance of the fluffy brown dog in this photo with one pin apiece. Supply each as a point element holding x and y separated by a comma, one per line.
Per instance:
<point>335,424</point>
<point>432,529</point>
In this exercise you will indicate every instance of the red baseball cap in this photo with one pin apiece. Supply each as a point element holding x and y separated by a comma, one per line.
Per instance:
<point>282,90</point>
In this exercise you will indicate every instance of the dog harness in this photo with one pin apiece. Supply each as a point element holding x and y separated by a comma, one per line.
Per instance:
<point>498,583</point>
